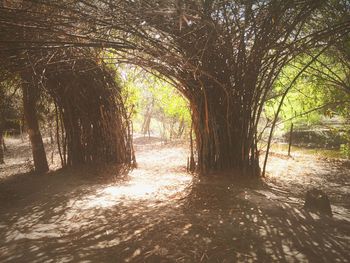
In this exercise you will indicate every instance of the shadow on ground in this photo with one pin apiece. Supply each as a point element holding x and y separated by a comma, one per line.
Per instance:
<point>159,213</point>
<point>213,222</point>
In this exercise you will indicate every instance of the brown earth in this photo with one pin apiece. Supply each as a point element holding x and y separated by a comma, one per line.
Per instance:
<point>160,213</point>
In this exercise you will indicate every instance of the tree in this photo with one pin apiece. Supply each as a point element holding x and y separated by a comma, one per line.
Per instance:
<point>10,111</point>
<point>90,109</point>
<point>30,97</point>
<point>90,119</point>
<point>224,56</point>
<point>312,100</point>
<point>147,97</point>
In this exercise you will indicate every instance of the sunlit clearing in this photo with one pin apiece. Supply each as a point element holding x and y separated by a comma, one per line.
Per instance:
<point>141,185</point>
<point>130,190</point>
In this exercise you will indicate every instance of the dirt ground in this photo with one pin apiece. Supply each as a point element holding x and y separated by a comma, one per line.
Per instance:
<point>160,213</point>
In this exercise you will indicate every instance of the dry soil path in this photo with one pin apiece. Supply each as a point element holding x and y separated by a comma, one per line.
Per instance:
<point>159,213</point>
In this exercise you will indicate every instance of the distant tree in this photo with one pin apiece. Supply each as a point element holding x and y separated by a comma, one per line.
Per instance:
<point>9,108</point>
<point>320,90</point>
<point>147,97</point>
<point>224,56</point>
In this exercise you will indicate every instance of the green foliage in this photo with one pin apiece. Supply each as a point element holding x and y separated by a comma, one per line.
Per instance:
<point>131,94</point>
<point>10,103</point>
<point>345,150</point>
<point>169,101</point>
<point>146,93</point>
<point>313,97</point>
<point>318,100</point>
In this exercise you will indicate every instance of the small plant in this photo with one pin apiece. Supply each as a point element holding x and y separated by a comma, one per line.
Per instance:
<point>345,150</point>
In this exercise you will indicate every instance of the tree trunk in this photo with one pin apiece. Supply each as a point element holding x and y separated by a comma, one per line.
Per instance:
<point>91,115</point>
<point>30,116</point>
<point>181,127</point>
<point>4,144</point>
<point>191,164</point>
<point>290,139</point>
<point>225,134</point>
<point>1,147</point>
<point>21,127</point>
<point>147,124</point>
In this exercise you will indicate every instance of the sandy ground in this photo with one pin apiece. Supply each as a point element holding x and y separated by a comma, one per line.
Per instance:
<point>160,213</point>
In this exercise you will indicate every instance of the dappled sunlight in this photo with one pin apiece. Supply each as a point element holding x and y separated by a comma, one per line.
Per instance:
<point>152,186</point>
<point>302,172</point>
<point>140,185</point>
<point>302,169</point>
<point>160,213</point>
<point>160,177</point>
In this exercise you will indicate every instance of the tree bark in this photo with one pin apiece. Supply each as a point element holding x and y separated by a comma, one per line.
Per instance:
<point>30,115</point>
<point>225,134</point>
<point>91,115</point>
<point>1,147</point>
<point>181,127</point>
<point>290,139</point>
<point>147,123</point>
